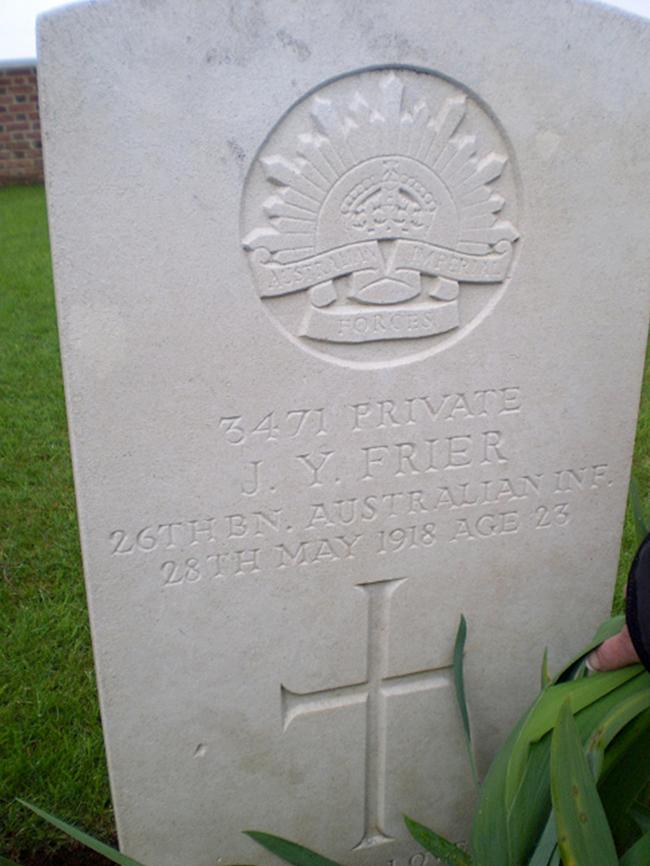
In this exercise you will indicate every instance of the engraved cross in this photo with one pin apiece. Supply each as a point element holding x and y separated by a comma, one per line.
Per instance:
<point>373,692</point>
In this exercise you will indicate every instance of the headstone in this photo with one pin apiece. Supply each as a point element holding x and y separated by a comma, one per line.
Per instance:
<point>353,302</point>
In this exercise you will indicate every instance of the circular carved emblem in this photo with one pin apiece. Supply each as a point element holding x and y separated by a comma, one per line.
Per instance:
<point>379,216</point>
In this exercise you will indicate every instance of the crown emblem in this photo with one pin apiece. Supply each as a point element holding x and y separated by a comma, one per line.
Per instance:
<point>380,209</point>
<point>388,205</point>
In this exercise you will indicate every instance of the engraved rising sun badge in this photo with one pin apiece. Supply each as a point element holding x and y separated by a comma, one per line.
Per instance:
<point>375,214</point>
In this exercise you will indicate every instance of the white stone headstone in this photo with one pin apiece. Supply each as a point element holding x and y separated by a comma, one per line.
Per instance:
<point>353,301</point>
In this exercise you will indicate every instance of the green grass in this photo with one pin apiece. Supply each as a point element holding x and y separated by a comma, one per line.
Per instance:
<point>51,749</point>
<point>641,472</point>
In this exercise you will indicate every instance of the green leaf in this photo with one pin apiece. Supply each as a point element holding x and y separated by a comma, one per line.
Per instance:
<point>505,833</point>
<point>289,851</point>
<point>612,725</point>
<point>528,813</point>
<point>580,693</point>
<point>623,782</point>
<point>545,676</point>
<point>509,822</point>
<point>583,834</point>
<point>638,854</point>
<point>89,841</point>
<point>641,814</point>
<point>443,849</point>
<point>547,845</point>
<point>627,758</point>
<point>619,749</point>
<point>544,712</point>
<point>5,862</point>
<point>640,523</point>
<point>489,836</point>
<point>459,682</point>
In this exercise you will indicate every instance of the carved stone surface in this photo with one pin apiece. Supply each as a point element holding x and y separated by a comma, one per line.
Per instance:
<point>353,303</point>
<point>378,196</point>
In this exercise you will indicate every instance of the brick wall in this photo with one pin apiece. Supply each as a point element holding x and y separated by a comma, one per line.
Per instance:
<point>20,131</point>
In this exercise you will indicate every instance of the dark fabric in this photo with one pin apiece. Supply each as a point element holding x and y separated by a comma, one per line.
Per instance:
<point>637,604</point>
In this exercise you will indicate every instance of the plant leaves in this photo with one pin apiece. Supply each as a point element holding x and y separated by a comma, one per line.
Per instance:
<point>640,523</point>
<point>443,849</point>
<point>547,845</point>
<point>289,851</point>
<point>638,854</point>
<point>87,840</point>
<point>627,739</point>
<point>544,712</point>
<point>459,683</point>
<point>622,783</point>
<point>529,811</point>
<point>5,862</point>
<point>507,836</point>
<point>489,836</point>
<point>545,676</point>
<point>583,834</point>
<point>581,693</point>
<point>641,814</point>
<point>611,725</point>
